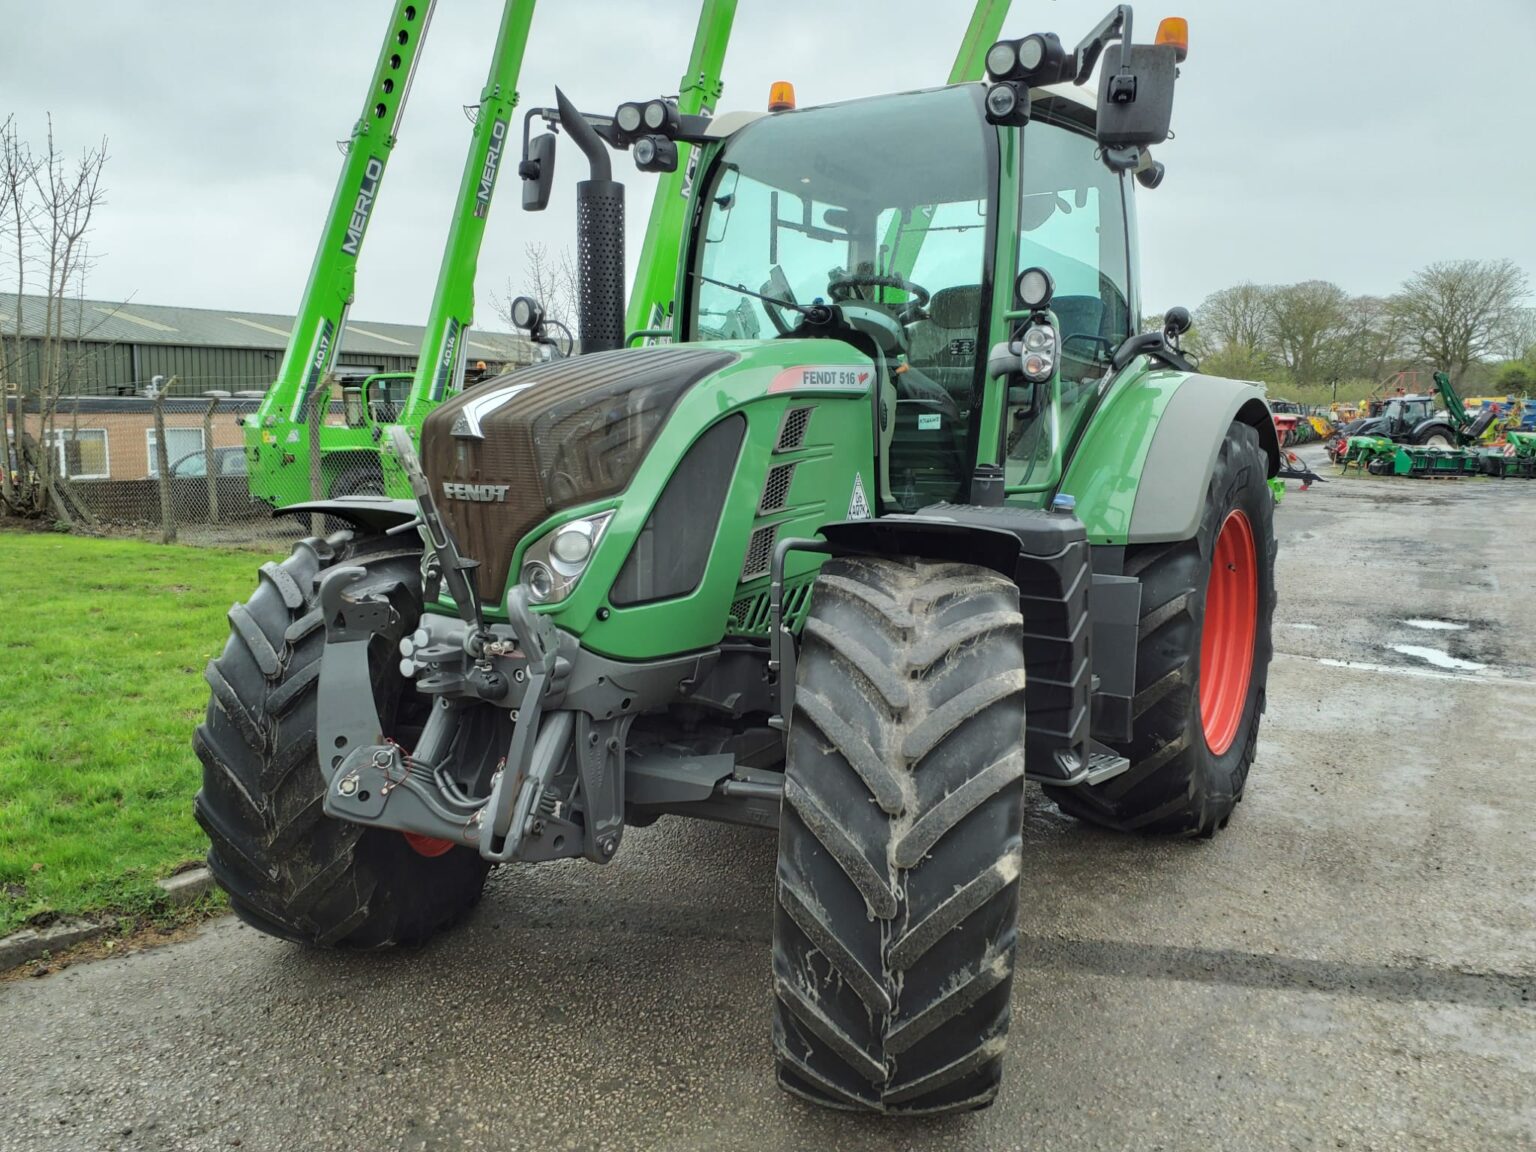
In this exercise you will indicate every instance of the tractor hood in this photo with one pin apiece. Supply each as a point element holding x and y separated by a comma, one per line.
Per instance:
<point>506,454</point>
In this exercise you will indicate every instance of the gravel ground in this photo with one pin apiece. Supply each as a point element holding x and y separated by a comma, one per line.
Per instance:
<point>1349,965</point>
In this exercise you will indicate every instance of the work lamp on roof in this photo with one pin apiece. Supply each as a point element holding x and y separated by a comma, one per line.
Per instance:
<point>629,118</point>
<point>1008,104</point>
<point>655,154</point>
<point>1035,60</point>
<point>660,116</point>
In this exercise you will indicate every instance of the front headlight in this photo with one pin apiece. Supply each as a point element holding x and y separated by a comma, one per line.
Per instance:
<point>555,561</point>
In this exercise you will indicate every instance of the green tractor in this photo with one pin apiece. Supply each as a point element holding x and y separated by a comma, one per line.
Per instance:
<point>936,521</point>
<point>1373,454</point>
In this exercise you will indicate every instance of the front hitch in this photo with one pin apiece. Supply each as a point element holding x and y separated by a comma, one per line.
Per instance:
<point>373,781</point>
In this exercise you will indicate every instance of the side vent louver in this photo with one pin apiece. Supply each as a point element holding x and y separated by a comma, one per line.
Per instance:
<point>792,431</point>
<point>759,552</point>
<point>776,489</point>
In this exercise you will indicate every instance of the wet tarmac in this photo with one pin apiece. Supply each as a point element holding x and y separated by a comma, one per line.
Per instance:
<point>1351,964</point>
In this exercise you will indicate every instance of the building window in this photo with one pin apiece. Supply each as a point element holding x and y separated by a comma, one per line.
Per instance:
<point>178,443</point>
<point>80,453</point>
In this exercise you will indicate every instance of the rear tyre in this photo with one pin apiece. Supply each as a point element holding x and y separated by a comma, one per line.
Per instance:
<point>1202,661</point>
<point>1437,438</point>
<point>899,841</point>
<point>290,870</point>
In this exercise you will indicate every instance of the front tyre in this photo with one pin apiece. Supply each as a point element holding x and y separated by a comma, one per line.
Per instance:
<point>289,869</point>
<point>1202,661</point>
<point>899,841</point>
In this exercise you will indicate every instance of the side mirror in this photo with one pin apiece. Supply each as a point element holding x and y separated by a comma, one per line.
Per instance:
<point>1135,105</point>
<point>1176,321</point>
<point>538,172</point>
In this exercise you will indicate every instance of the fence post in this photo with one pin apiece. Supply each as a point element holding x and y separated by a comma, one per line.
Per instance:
<point>163,465</point>
<point>319,408</point>
<point>210,461</point>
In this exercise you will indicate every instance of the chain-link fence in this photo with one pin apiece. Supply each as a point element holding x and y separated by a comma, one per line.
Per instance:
<point>172,468</point>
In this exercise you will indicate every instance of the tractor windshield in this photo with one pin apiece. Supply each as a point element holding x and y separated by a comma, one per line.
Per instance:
<point>884,201</point>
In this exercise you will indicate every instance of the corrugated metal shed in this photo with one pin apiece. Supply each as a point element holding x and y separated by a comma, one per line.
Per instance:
<point>109,322</point>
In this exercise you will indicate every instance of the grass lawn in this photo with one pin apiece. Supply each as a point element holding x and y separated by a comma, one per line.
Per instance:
<point>102,649</point>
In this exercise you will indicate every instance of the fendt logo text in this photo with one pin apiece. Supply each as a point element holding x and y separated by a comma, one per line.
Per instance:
<point>481,493</point>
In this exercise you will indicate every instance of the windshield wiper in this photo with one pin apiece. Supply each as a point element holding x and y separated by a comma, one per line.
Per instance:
<point>813,313</point>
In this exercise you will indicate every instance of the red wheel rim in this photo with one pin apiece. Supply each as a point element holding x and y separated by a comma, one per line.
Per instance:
<point>427,845</point>
<point>1231,623</point>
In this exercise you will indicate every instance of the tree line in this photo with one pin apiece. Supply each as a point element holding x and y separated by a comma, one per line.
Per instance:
<point>1466,317</point>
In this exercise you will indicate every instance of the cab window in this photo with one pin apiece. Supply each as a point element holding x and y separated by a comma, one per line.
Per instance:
<point>1072,223</point>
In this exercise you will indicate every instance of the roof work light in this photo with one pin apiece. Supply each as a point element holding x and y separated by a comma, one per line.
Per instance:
<point>1036,59</point>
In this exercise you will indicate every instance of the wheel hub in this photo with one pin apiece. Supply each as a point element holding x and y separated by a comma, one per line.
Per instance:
<point>1227,639</point>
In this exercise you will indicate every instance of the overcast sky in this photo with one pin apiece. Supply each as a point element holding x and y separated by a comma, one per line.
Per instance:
<point>1349,140</point>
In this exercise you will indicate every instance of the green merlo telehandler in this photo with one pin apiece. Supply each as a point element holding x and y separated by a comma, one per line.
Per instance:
<point>935,520</point>
<point>350,457</point>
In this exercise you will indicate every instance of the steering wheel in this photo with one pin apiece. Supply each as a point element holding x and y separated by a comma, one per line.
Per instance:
<point>842,288</point>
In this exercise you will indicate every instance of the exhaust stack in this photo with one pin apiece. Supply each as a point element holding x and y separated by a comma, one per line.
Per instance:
<point>599,239</point>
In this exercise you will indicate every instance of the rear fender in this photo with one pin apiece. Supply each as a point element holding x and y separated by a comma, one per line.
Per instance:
<point>1142,468</point>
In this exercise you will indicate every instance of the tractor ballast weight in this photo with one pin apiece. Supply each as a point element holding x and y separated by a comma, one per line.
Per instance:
<point>934,519</point>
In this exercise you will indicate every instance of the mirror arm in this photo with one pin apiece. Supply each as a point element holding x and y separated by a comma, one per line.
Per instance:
<point>1153,344</point>
<point>1116,25</point>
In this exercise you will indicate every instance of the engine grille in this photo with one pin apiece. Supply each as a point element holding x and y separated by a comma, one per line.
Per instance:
<point>555,435</point>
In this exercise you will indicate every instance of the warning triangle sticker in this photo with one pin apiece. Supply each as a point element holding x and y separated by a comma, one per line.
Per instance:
<point>858,506</point>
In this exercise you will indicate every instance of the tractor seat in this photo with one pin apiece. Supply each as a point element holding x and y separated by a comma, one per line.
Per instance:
<point>943,346</point>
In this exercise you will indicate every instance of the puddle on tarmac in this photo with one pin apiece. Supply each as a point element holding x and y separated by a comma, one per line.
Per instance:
<point>1438,658</point>
<point>1436,625</point>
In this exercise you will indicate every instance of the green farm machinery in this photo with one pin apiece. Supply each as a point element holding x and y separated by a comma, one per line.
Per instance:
<point>294,450</point>
<point>936,520</point>
<point>1516,458</point>
<point>1408,439</point>
<point>348,455</point>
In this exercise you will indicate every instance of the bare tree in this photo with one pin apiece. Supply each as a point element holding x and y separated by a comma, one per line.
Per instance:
<point>1517,341</point>
<point>1454,313</point>
<point>1372,344</point>
<point>49,202</point>
<point>16,169</point>
<point>551,280</point>
<point>1237,319</point>
<point>1307,322</point>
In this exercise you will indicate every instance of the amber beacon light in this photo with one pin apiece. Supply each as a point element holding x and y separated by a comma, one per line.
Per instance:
<point>1175,30</point>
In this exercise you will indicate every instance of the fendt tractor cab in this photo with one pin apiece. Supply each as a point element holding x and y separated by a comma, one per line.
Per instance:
<point>905,513</point>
